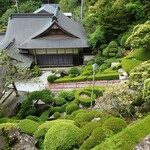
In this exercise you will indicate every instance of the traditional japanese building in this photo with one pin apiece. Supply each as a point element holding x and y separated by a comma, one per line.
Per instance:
<point>46,37</point>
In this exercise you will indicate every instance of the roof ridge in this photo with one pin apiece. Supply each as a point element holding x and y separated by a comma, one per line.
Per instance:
<point>55,14</point>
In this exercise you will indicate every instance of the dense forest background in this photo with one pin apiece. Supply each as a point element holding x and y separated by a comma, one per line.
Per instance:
<point>105,22</point>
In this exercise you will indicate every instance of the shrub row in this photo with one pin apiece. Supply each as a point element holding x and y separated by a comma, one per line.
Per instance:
<point>84,101</point>
<point>127,138</point>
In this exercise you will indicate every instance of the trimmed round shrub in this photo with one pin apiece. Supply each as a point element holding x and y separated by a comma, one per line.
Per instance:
<point>79,111</point>
<point>59,101</point>
<point>98,135</point>
<point>91,115</point>
<point>67,95</point>
<point>71,108</point>
<point>56,115</point>
<point>74,72</point>
<point>82,100</point>
<point>51,78</point>
<point>28,126</point>
<point>62,136</point>
<point>43,128</point>
<point>115,124</point>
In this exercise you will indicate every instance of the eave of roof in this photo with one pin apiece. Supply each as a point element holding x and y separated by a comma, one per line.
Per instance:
<point>61,43</point>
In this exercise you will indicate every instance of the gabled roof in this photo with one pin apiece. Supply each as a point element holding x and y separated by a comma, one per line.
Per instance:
<point>27,31</point>
<point>47,8</point>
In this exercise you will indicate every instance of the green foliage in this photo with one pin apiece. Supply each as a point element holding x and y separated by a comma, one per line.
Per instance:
<point>36,71</point>
<point>8,126</point>
<point>67,95</point>
<point>124,39</point>
<point>115,124</point>
<point>56,115</point>
<point>74,72</point>
<point>45,115</point>
<point>59,101</point>
<point>129,64</point>
<point>101,76</point>
<point>140,36</point>
<point>146,90</point>
<point>34,118</point>
<point>69,79</point>
<point>99,60</point>
<point>88,129</point>
<point>139,54</point>
<point>71,107</point>
<point>103,67</point>
<point>128,138</point>
<point>82,100</point>
<point>138,75</point>
<point>43,128</point>
<point>62,136</point>
<point>98,135</point>
<point>28,126</point>
<point>51,78</point>
<point>111,50</point>
<point>97,37</point>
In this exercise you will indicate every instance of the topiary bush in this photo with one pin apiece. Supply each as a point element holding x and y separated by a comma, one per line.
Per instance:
<point>115,124</point>
<point>51,78</point>
<point>129,64</point>
<point>82,100</point>
<point>71,108</point>
<point>67,95</point>
<point>98,135</point>
<point>74,72</point>
<point>43,128</point>
<point>56,115</point>
<point>88,129</point>
<point>62,136</point>
<point>28,126</point>
<point>128,138</point>
<point>59,101</point>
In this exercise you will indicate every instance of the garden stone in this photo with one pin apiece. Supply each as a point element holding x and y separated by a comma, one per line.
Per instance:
<point>144,145</point>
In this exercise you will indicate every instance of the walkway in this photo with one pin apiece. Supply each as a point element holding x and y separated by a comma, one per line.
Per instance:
<point>75,85</point>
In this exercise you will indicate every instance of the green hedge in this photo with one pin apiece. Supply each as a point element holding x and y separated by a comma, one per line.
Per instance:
<point>84,101</point>
<point>88,129</point>
<point>59,101</point>
<point>71,108</point>
<point>68,79</point>
<point>139,54</point>
<point>28,126</point>
<point>43,128</point>
<point>115,124</point>
<point>128,138</point>
<point>62,136</point>
<point>129,64</point>
<point>101,76</point>
<point>97,90</point>
<point>34,118</point>
<point>45,115</point>
<point>98,135</point>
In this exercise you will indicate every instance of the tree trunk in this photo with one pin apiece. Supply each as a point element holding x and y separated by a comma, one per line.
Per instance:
<point>15,89</point>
